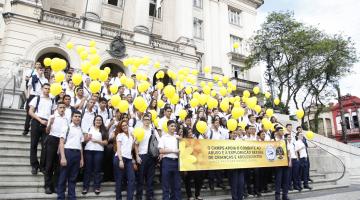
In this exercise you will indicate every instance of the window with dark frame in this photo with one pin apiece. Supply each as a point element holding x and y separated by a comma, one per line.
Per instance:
<point>198,3</point>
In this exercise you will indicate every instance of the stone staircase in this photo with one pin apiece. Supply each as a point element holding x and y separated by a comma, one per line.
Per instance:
<point>16,181</point>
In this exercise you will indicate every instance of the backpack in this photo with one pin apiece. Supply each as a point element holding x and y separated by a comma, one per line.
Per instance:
<point>38,102</point>
<point>153,149</point>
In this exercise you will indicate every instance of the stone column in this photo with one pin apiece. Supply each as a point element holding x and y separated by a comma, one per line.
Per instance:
<point>91,21</point>
<point>183,21</point>
<point>141,21</point>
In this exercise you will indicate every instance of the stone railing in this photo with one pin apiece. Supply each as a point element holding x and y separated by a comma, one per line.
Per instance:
<point>243,84</point>
<point>112,31</point>
<point>61,20</point>
<point>164,44</point>
<point>237,56</point>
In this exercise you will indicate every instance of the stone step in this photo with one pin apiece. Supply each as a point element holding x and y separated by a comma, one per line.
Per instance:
<point>14,145</point>
<point>12,139</point>
<point>11,127</point>
<point>18,112</point>
<point>20,122</point>
<point>16,151</point>
<point>21,177</point>
<point>15,166</point>
<point>11,117</point>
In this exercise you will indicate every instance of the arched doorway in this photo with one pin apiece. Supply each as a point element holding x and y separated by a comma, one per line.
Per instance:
<point>166,80</point>
<point>115,66</point>
<point>52,52</point>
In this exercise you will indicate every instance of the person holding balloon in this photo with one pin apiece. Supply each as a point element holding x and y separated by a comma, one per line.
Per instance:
<point>122,162</point>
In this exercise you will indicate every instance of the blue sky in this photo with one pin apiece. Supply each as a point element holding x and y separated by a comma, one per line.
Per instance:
<point>331,16</point>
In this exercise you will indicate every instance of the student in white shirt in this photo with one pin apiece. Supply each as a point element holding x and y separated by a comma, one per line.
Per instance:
<point>103,110</point>
<point>71,157</point>
<point>68,108</point>
<point>40,110</point>
<point>145,160</point>
<point>294,170</point>
<point>236,177</point>
<point>79,100</point>
<point>170,179</point>
<point>300,148</point>
<point>88,114</point>
<point>57,125</point>
<point>36,81</point>
<point>123,163</point>
<point>95,140</point>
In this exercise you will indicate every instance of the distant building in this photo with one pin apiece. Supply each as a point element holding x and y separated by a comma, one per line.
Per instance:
<point>325,121</point>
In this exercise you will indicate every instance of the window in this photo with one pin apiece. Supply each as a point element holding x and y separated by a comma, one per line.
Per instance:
<point>235,16</point>
<point>197,3</point>
<point>155,8</point>
<point>118,3</point>
<point>234,39</point>
<point>198,28</point>
<point>236,71</point>
<point>355,120</point>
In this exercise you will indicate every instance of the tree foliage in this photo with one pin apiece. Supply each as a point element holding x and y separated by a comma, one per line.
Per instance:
<point>304,61</point>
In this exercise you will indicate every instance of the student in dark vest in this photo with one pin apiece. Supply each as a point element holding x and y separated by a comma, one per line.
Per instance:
<point>71,157</point>
<point>56,127</point>
<point>36,81</point>
<point>95,140</point>
<point>168,146</point>
<point>145,160</point>
<point>40,110</point>
<point>236,177</point>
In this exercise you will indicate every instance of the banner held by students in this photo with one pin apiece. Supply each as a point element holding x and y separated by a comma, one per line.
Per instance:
<point>230,154</point>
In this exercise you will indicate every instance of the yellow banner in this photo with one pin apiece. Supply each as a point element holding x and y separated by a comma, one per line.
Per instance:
<point>230,154</point>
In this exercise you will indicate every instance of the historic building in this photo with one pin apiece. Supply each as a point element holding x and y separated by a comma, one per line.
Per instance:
<point>177,33</point>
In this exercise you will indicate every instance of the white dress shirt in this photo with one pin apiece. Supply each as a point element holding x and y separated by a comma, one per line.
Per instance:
<point>87,120</point>
<point>44,108</point>
<point>216,135</point>
<point>74,138</point>
<point>60,125</point>
<point>96,135</point>
<point>168,141</point>
<point>38,85</point>
<point>144,144</point>
<point>298,145</point>
<point>126,144</point>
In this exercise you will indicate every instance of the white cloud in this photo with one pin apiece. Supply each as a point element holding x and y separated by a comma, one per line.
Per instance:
<point>332,16</point>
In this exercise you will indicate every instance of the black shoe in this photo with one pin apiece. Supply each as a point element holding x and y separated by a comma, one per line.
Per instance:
<point>285,198</point>
<point>25,133</point>
<point>258,194</point>
<point>34,170</point>
<point>42,171</point>
<point>211,186</point>
<point>277,198</point>
<point>48,191</point>
<point>221,186</point>
<point>311,180</point>
<point>307,187</point>
<point>291,188</point>
<point>97,191</point>
<point>298,189</point>
<point>84,191</point>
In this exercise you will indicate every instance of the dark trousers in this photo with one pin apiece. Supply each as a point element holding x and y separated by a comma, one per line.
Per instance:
<point>120,174</point>
<point>304,168</point>
<point>38,132</point>
<point>93,163</point>
<point>281,181</point>
<point>108,158</point>
<point>215,174</point>
<point>197,176</point>
<point>237,183</point>
<point>51,161</point>
<point>69,174</point>
<point>171,181</point>
<point>146,172</point>
<point>28,118</point>
<point>252,180</point>
<point>294,174</point>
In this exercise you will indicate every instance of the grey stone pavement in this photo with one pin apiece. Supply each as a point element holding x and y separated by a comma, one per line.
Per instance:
<point>350,193</point>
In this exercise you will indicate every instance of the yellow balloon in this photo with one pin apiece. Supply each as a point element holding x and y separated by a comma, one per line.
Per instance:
<point>103,76</point>
<point>207,69</point>
<point>256,90</point>
<point>123,106</point>
<point>143,86</point>
<point>55,89</point>
<point>201,126</point>
<point>156,122</point>
<point>194,102</point>
<point>85,67</point>
<point>182,114</point>
<point>140,103</point>
<point>123,80</point>
<point>216,77</point>
<point>139,134</point>
<point>175,99</point>
<point>92,50</point>
<point>129,83</point>
<point>267,124</point>
<point>160,103</point>
<point>231,124</point>
<point>157,65</point>
<point>236,45</point>
<point>194,72</point>
<point>92,43</point>
<point>310,135</point>
<point>213,93</point>
<point>223,91</point>
<point>203,99</point>
<point>257,108</point>
<point>55,64</point>
<point>164,126</point>
<point>59,76</point>
<point>169,91</point>
<point>276,101</point>
<point>210,84</point>
<point>159,85</point>
<point>300,113</point>
<point>269,112</point>
<point>246,93</point>
<point>107,69</point>
<point>160,74</point>
<point>206,89</point>
<point>267,95</point>
<point>225,79</point>
<point>77,79</point>
<point>83,55</point>
<point>94,73</point>
<point>80,49</point>
<point>47,62</point>
<point>113,89</point>
<point>212,103</point>
<point>251,102</point>
<point>224,105</point>
<point>242,124</point>
<point>95,59</point>
<point>153,115</point>
<point>95,86</point>
<point>220,84</point>
<point>69,45</point>
<point>237,112</point>
<point>188,90</point>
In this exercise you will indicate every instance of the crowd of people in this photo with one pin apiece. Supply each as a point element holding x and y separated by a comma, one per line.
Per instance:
<point>85,138</point>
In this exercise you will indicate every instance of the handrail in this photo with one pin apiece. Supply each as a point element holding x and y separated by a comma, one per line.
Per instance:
<point>342,163</point>
<point>15,84</point>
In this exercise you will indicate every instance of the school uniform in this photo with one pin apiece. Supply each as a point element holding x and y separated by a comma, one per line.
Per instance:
<point>294,169</point>
<point>58,128</point>
<point>252,175</point>
<point>34,85</point>
<point>105,114</point>
<point>281,181</point>
<point>170,179</point>
<point>72,149</point>
<point>237,183</point>
<point>147,167</point>
<point>43,108</point>
<point>304,167</point>
<point>93,159</point>
<point>87,119</point>
<point>128,170</point>
<point>213,134</point>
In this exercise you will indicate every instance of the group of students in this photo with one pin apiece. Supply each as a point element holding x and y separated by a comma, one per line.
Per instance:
<point>80,130</point>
